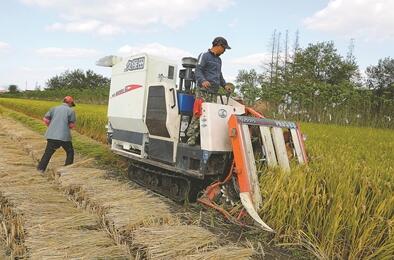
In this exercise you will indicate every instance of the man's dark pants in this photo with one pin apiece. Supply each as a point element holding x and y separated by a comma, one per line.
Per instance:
<point>52,146</point>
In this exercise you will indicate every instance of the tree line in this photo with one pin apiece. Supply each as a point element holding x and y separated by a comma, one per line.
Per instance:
<point>86,87</point>
<point>317,84</point>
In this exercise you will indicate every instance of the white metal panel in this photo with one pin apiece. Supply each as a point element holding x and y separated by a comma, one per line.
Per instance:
<point>130,81</point>
<point>268,146</point>
<point>128,104</point>
<point>214,126</point>
<point>251,167</point>
<point>280,148</point>
<point>240,108</point>
<point>297,146</point>
<point>158,70</point>
<point>120,146</point>
<point>131,105</point>
<point>128,124</point>
<point>173,117</point>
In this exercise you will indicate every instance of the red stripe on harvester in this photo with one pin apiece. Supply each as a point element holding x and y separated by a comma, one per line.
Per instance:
<point>132,87</point>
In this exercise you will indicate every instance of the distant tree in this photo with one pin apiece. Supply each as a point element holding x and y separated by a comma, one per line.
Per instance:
<point>55,82</point>
<point>381,77</point>
<point>13,89</point>
<point>78,79</point>
<point>320,63</point>
<point>96,80</point>
<point>381,81</point>
<point>249,84</point>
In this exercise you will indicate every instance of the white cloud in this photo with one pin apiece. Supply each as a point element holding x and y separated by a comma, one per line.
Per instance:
<point>53,52</point>
<point>81,26</point>
<point>86,26</point>
<point>43,69</point>
<point>369,19</point>
<point>252,60</point>
<point>41,3</point>
<point>156,49</point>
<point>116,16</point>
<point>4,46</point>
<point>234,23</point>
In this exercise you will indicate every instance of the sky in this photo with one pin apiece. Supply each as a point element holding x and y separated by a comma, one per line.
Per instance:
<point>43,38</point>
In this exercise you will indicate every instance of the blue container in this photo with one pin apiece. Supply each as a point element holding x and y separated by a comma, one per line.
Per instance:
<point>185,103</point>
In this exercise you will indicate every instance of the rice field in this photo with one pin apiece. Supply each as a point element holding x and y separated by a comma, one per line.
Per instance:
<point>341,206</point>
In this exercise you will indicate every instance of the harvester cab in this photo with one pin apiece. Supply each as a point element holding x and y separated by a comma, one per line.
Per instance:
<point>148,116</point>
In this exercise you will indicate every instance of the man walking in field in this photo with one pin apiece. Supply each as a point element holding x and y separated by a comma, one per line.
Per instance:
<point>59,120</point>
<point>209,79</point>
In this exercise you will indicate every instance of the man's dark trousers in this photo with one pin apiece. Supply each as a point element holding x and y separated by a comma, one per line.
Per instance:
<point>52,146</point>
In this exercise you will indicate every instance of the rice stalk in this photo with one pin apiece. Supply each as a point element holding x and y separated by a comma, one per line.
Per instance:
<point>224,253</point>
<point>181,240</point>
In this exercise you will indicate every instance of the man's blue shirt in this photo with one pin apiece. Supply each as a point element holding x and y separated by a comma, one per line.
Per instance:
<point>209,67</point>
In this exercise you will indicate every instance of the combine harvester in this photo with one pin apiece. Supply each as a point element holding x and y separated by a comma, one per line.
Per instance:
<point>148,115</point>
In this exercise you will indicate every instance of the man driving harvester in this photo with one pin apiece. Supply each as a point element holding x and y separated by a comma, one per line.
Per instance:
<point>209,79</point>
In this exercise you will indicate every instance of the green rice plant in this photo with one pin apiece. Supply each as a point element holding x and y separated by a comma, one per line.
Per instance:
<point>341,205</point>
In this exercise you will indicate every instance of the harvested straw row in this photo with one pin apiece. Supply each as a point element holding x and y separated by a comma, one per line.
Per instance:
<point>140,216</point>
<point>224,253</point>
<point>132,215</point>
<point>12,234</point>
<point>155,242</point>
<point>126,207</point>
<point>52,227</point>
<point>3,253</point>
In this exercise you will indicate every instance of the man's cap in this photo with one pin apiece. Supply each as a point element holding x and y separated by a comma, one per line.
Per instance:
<point>221,41</point>
<point>69,100</point>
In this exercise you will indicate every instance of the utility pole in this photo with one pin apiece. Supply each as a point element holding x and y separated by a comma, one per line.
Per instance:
<point>272,56</point>
<point>286,54</point>
<point>350,53</point>
<point>296,42</point>
<point>295,51</point>
<point>277,59</point>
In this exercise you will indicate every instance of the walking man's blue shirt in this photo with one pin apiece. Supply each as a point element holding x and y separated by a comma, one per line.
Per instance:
<point>209,67</point>
<point>59,121</point>
<point>60,116</point>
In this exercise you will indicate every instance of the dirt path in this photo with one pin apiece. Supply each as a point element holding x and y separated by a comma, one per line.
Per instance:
<point>53,225</point>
